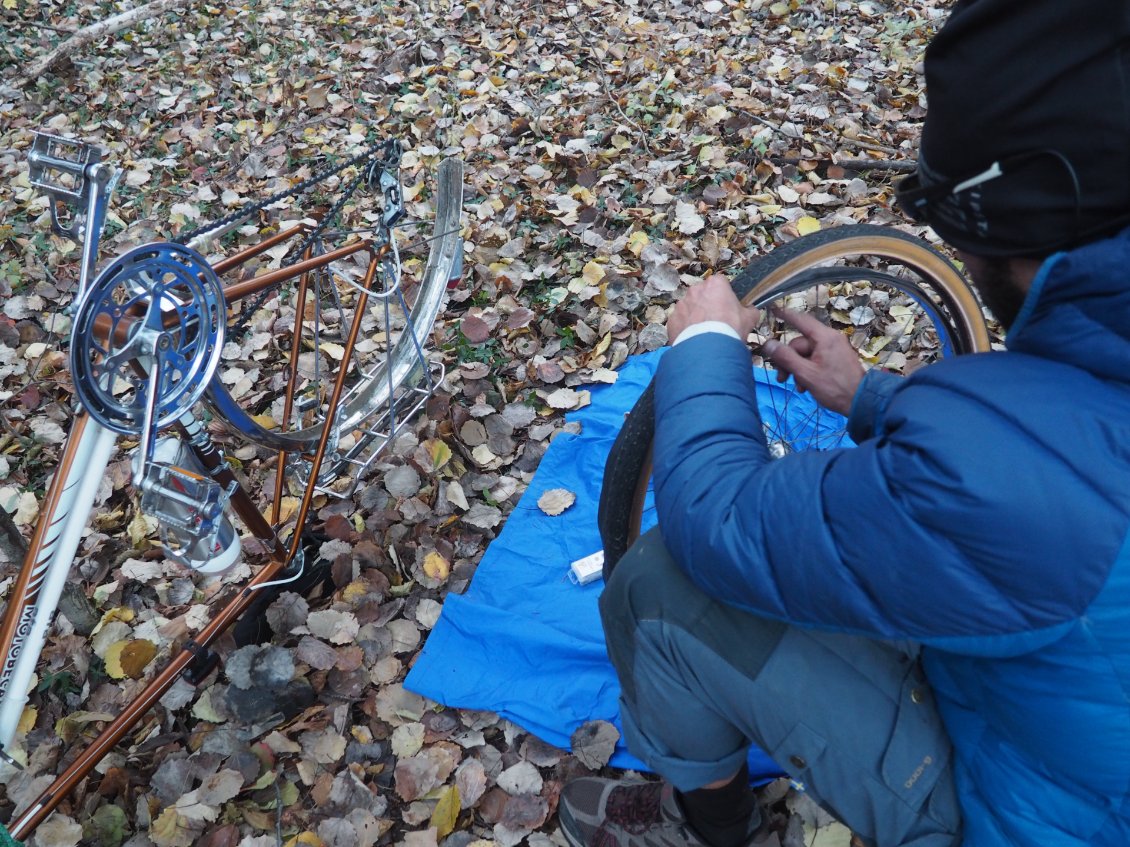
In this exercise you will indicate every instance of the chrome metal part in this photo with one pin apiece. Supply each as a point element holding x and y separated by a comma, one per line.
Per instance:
<point>79,184</point>
<point>351,463</point>
<point>156,315</point>
<point>189,507</point>
<point>58,166</point>
<point>404,365</point>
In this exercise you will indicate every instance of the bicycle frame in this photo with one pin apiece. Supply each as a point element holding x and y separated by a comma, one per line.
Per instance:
<point>69,500</point>
<point>40,582</point>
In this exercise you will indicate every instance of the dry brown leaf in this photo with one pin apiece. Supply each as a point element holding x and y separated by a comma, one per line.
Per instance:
<point>129,658</point>
<point>594,742</point>
<point>556,500</point>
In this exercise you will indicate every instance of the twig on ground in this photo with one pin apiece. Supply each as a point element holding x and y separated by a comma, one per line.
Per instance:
<point>100,30</point>
<point>18,22</point>
<point>902,165</point>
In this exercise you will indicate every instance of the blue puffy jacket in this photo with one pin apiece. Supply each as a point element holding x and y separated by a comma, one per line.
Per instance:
<point>984,514</point>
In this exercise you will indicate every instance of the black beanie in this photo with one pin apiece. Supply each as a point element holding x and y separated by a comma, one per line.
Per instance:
<point>1028,118</point>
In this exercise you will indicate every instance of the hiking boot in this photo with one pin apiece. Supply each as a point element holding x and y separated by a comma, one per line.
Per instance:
<point>597,812</point>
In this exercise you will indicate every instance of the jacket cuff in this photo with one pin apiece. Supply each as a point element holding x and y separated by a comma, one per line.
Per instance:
<point>703,327</point>
<point>869,404</point>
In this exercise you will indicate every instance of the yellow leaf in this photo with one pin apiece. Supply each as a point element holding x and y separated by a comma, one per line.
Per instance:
<point>287,507</point>
<point>582,194</point>
<point>305,839</point>
<point>27,719</point>
<point>593,273</point>
<point>873,347</point>
<point>440,453</point>
<point>436,566</point>
<point>129,657</point>
<point>355,591</point>
<point>140,528</point>
<point>9,4</point>
<point>119,613</point>
<point>807,225</point>
<point>171,829</point>
<point>637,241</point>
<point>446,812</point>
<point>265,421</point>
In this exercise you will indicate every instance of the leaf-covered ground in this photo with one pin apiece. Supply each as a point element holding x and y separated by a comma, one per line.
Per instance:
<point>615,152</point>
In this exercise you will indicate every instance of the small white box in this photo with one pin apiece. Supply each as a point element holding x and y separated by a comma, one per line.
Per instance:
<point>586,570</point>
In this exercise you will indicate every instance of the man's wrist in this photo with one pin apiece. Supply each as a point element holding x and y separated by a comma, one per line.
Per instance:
<point>703,327</point>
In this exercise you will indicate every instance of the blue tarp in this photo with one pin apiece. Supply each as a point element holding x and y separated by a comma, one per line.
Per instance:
<point>526,642</point>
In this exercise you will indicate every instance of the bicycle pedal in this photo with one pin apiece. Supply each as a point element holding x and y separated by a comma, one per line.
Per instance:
<point>189,508</point>
<point>58,166</point>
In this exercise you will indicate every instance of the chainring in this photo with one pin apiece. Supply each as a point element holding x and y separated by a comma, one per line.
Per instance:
<point>159,306</point>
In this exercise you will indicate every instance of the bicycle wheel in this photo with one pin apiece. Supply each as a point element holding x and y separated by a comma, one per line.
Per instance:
<point>902,303</point>
<point>388,363</point>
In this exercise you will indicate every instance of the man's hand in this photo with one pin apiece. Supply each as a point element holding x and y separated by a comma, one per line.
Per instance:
<point>712,300</point>
<point>821,360</point>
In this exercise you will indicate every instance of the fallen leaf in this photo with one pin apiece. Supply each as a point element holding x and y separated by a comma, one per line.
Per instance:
<point>415,777</point>
<point>407,740</point>
<point>324,746</point>
<point>637,241</point>
<point>172,829</point>
<point>474,329</point>
<point>439,452</point>
<point>446,812</point>
<point>594,742</point>
<point>58,831</point>
<point>556,500</point>
<point>129,658</point>
<point>471,779</point>
<point>522,778</point>
<point>807,225</point>
<point>436,566</point>
<point>593,273</point>
<point>563,398</point>
<point>333,626</point>
<point>687,220</point>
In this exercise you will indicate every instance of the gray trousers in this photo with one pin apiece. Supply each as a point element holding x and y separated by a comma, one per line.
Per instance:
<point>852,719</point>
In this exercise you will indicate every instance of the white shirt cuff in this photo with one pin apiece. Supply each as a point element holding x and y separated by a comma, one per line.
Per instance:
<point>703,327</point>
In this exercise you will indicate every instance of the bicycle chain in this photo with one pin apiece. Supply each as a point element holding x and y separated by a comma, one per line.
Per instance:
<point>390,146</point>
<point>390,159</point>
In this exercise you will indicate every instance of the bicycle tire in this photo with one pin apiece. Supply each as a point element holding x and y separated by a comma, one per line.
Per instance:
<point>402,366</point>
<point>790,268</point>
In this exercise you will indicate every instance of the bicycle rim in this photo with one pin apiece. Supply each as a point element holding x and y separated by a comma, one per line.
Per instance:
<point>901,303</point>
<point>390,360</point>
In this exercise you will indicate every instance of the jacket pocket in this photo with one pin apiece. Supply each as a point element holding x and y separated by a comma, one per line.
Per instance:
<point>919,749</point>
